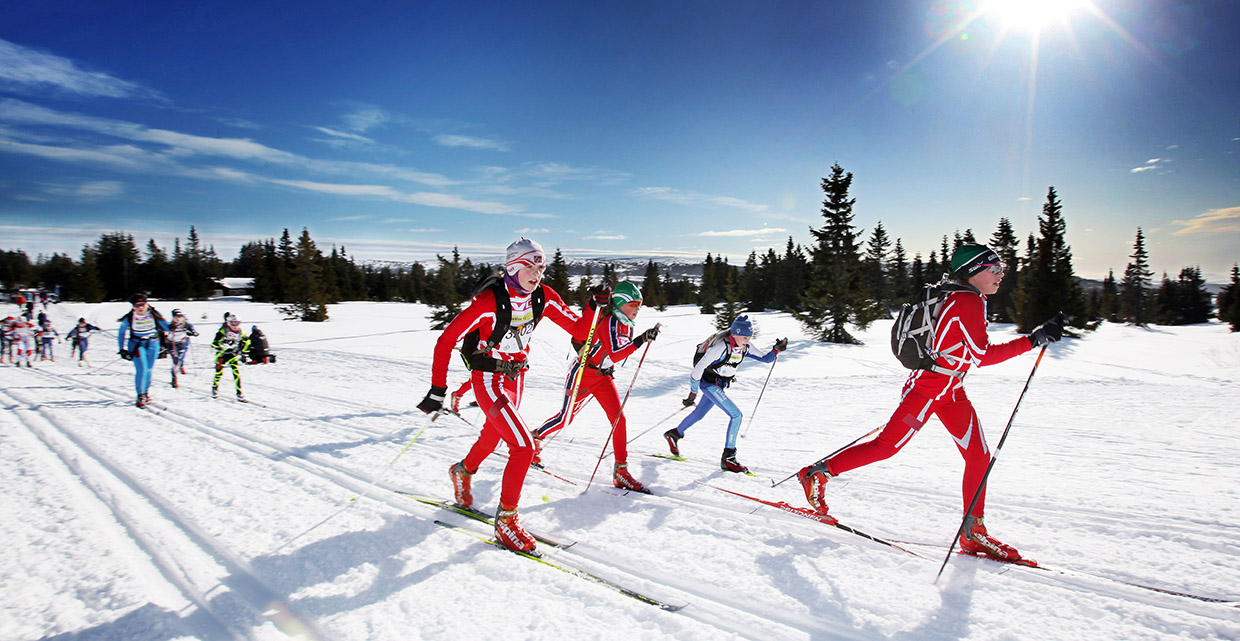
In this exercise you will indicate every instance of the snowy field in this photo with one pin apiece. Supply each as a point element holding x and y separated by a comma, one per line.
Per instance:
<point>216,520</point>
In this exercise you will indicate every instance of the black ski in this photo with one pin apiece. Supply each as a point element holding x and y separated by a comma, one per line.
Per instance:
<point>566,568</point>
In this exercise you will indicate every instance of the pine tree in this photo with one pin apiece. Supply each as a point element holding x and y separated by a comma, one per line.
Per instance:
<point>708,293</point>
<point>789,275</point>
<point>901,288</point>
<point>88,285</point>
<point>441,294</point>
<point>1163,302</point>
<point>1051,287</point>
<point>557,274</point>
<point>730,307</point>
<point>917,274</point>
<point>875,261</point>
<point>1108,302</point>
<point>934,272</point>
<point>1134,288</point>
<point>1193,304</point>
<point>752,290</point>
<point>836,294</point>
<point>1229,300</point>
<point>652,287</point>
<point>307,295</point>
<point>1005,244</point>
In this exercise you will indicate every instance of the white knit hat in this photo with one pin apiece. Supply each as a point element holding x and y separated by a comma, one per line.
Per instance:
<point>523,253</point>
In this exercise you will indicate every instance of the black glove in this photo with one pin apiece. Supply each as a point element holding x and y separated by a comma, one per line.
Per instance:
<point>690,399</point>
<point>599,298</point>
<point>126,354</point>
<point>511,369</point>
<point>647,335</point>
<point>434,399</point>
<point>1048,332</point>
<point>781,345</point>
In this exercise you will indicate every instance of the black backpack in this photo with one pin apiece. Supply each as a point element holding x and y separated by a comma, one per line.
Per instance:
<point>912,335</point>
<point>471,349</point>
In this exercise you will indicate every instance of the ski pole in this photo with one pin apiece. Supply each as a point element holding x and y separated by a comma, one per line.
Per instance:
<point>620,413</point>
<point>103,367</point>
<point>669,417</point>
<point>993,457</point>
<point>755,405</point>
<point>854,442</point>
<point>581,369</point>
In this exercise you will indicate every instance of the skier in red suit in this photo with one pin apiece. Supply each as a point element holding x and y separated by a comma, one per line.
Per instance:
<point>960,336</point>
<point>497,359</point>
<point>611,343</point>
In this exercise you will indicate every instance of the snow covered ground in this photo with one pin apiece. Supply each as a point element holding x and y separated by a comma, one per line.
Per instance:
<point>219,520</point>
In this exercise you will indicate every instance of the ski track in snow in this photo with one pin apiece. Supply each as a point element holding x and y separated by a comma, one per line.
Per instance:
<point>211,519</point>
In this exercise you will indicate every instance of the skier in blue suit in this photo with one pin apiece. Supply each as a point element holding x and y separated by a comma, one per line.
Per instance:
<point>139,339</point>
<point>712,373</point>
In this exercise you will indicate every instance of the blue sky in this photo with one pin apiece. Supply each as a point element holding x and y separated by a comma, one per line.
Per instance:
<point>635,128</point>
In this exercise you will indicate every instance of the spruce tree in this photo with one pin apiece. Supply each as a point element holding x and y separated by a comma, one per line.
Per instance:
<point>1164,302</point>
<point>901,288</point>
<point>89,286</point>
<point>1052,287</point>
<point>1108,302</point>
<point>1229,300</point>
<point>307,295</point>
<point>752,288</point>
<point>730,307</point>
<point>441,293</point>
<point>652,287</point>
<point>836,293</point>
<point>917,275</point>
<point>1134,288</point>
<point>1192,299</point>
<point>876,270</point>
<point>708,292</point>
<point>934,271</point>
<point>1004,242</point>
<point>557,274</point>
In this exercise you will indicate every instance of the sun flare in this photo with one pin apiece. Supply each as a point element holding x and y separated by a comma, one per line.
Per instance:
<point>1031,15</point>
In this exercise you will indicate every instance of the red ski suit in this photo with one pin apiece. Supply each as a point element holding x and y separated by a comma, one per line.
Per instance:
<point>960,334</point>
<point>611,343</point>
<point>497,395</point>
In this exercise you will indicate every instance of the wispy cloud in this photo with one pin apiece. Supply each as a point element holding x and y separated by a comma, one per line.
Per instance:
<point>366,117</point>
<point>603,236</point>
<point>554,172</point>
<point>694,199</point>
<point>1153,164</point>
<point>33,72</point>
<point>343,138</point>
<point>530,230</point>
<point>91,191</point>
<point>744,232</point>
<point>347,218</point>
<point>452,140</point>
<point>422,231</point>
<point>1215,221</point>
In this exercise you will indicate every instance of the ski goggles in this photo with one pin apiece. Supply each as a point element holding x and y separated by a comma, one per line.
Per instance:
<point>994,268</point>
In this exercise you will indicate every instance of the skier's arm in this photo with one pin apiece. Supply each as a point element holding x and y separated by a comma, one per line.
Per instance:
<point>766,356</point>
<point>561,314</point>
<point>970,312</point>
<point>480,308</point>
<point>120,334</point>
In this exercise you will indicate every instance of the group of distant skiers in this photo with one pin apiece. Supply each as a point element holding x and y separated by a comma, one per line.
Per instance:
<point>145,336</point>
<point>494,333</point>
<point>23,338</point>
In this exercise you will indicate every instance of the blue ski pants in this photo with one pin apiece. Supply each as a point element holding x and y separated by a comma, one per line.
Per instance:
<point>144,351</point>
<point>712,395</point>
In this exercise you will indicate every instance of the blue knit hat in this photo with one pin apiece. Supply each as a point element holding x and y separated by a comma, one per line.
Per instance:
<point>741,327</point>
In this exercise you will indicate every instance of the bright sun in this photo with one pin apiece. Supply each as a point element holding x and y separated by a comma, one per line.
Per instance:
<point>1031,15</point>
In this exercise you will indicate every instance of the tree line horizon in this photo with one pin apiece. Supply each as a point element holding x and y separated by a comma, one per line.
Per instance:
<point>840,280</point>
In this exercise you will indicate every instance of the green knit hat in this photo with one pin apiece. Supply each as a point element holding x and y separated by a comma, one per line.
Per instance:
<point>624,293</point>
<point>971,258</point>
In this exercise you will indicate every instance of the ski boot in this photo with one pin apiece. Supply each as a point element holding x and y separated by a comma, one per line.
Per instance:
<point>509,532</point>
<point>976,541</point>
<point>455,404</point>
<point>215,392</point>
<point>814,481</point>
<point>729,463</point>
<point>673,439</point>
<point>460,484</point>
<point>241,397</point>
<point>141,401</point>
<point>625,481</point>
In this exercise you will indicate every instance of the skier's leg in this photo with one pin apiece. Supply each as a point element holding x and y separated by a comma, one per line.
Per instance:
<point>604,391</point>
<point>556,422</point>
<point>900,428</point>
<point>500,397</point>
<point>719,397</point>
<point>704,405</point>
<point>960,419</point>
